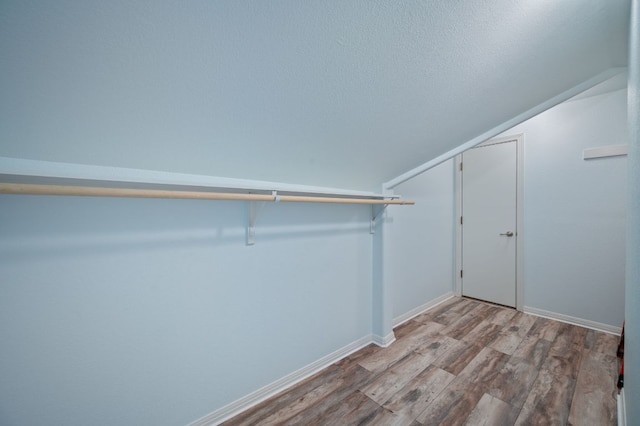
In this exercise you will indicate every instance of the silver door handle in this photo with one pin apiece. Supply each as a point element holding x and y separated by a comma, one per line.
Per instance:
<point>508,234</point>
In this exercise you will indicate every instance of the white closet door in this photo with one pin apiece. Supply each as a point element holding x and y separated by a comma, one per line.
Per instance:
<point>489,197</point>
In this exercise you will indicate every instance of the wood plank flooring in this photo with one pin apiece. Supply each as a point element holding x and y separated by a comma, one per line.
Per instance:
<point>464,362</point>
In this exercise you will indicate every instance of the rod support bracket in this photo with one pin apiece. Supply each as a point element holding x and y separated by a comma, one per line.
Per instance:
<point>376,212</point>
<point>254,208</point>
<point>251,226</point>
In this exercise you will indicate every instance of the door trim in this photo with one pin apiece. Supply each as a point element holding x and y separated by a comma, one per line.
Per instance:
<point>519,139</point>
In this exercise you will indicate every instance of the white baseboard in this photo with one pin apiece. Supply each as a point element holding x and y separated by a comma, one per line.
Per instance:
<point>422,308</point>
<point>254,398</point>
<point>573,320</point>
<point>385,341</point>
<point>622,409</point>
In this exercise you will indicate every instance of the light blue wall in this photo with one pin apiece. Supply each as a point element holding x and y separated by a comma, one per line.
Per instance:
<point>574,211</point>
<point>632,308</point>
<point>419,248</point>
<point>117,311</point>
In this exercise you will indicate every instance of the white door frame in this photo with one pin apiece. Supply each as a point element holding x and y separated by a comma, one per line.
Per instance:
<point>519,138</point>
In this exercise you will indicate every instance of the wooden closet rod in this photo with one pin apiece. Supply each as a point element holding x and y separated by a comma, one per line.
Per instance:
<point>86,191</point>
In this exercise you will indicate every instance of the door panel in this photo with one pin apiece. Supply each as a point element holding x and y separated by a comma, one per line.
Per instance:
<point>489,196</point>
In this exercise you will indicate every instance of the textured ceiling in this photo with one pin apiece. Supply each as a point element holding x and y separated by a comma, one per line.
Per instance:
<point>332,93</point>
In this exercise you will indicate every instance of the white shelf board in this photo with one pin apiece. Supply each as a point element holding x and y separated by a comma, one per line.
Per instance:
<point>17,170</point>
<point>605,151</point>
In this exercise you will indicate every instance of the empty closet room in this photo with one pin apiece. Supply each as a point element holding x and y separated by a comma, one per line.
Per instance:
<point>206,206</point>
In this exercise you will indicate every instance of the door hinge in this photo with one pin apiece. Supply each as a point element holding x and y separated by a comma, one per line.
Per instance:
<point>460,166</point>
<point>460,273</point>
<point>460,220</point>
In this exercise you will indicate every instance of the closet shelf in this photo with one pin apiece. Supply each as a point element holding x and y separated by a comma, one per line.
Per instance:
<point>25,171</point>
<point>90,191</point>
<point>32,177</point>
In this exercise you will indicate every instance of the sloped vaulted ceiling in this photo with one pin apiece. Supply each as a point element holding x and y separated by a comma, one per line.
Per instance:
<point>332,93</point>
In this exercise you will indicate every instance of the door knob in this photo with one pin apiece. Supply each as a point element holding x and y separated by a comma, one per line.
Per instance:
<point>508,234</point>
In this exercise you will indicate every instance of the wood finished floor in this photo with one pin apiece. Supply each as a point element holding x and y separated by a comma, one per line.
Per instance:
<point>464,362</point>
